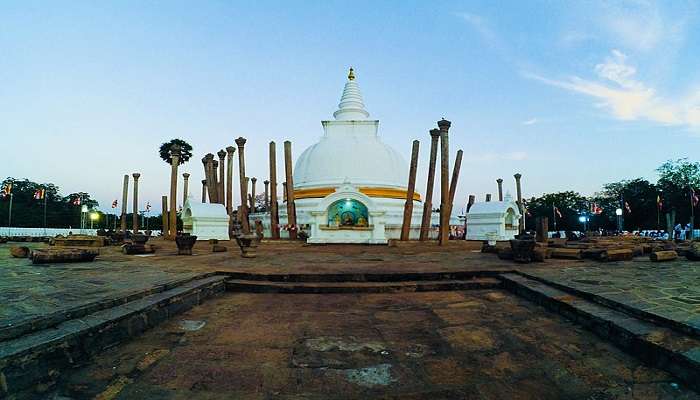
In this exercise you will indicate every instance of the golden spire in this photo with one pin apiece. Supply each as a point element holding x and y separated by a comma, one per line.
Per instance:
<point>351,75</point>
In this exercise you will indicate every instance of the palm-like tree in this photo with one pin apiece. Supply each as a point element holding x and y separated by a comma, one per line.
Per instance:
<point>176,149</point>
<point>185,151</point>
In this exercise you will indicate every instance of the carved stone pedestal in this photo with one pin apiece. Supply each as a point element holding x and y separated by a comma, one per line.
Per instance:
<point>184,243</point>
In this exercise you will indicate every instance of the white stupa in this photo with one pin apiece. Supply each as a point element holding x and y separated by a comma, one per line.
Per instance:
<point>350,187</point>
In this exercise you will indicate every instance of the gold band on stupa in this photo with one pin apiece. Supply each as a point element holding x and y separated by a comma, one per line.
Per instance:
<point>377,192</point>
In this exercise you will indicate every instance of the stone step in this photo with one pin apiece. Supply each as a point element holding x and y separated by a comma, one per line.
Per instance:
<point>653,343</point>
<point>40,356</point>
<point>361,277</point>
<point>239,285</point>
<point>607,302</point>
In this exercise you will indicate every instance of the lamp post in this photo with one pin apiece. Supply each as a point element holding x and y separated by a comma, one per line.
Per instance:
<point>583,219</point>
<point>618,212</point>
<point>93,217</point>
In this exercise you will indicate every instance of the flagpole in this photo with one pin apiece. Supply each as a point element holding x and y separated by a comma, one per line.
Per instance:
<point>9,215</point>
<point>692,212</point>
<point>44,193</point>
<point>554,214</point>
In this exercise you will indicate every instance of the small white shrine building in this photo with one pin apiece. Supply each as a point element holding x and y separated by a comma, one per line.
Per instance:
<point>493,220</point>
<point>205,220</point>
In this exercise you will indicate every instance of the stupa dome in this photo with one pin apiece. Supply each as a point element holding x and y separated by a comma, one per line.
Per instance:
<point>350,150</point>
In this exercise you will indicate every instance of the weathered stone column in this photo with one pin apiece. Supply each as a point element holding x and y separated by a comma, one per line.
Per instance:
<point>284,192</point>
<point>125,197</point>
<point>408,206</point>
<point>174,163</point>
<point>252,193</point>
<point>164,214</point>
<point>470,202</point>
<point>135,215</point>
<point>211,181</point>
<point>267,194</point>
<point>230,150</point>
<point>291,207</point>
<point>488,197</point>
<point>221,189</point>
<point>542,228</point>
<point>520,201</point>
<point>185,187</point>
<point>428,200</point>
<point>247,194</point>
<point>240,142</point>
<point>444,126</point>
<point>499,181</point>
<point>274,211</point>
<point>455,178</point>
<point>204,190</point>
<point>215,179</point>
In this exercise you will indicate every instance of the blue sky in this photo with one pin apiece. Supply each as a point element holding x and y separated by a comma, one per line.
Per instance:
<point>570,94</point>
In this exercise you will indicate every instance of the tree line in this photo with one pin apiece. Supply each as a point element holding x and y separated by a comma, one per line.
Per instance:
<point>644,204</point>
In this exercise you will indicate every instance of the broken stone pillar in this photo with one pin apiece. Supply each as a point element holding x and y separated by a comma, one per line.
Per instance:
<point>221,190</point>
<point>174,163</point>
<point>252,193</point>
<point>204,190</point>
<point>135,215</point>
<point>470,202</point>
<point>499,181</point>
<point>245,226</point>
<point>488,197</point>
<point>215,179</point>
<point>185,187</point>
<point>209,176</point>
<point>274,210</point>
<point>267,193</point>
<point>542,226</point>
<point>444,126</point>
<point>291,208</point>
<point>125,196</point>
<point>520,202</point>
<point>164,214</point>
<point>455,178</point>
<point>408,206</point>
<point>230,150</point>
<point>428,201</point>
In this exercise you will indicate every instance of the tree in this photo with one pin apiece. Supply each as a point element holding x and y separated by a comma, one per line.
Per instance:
<point>185,151</point>
<point>676,179</point>
<point>570,204</point>
<point>639,194</point>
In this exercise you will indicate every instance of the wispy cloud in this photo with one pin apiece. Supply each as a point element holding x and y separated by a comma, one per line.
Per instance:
<point>626,97</point>
<point>531,121</point>
<point>484,28</point>
<point>493,157</point>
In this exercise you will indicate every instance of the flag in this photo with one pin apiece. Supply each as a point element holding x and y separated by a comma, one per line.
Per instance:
<point>627,207</point>
<point>148,206</point>
<point>76,201</point>
<point>114,204</point>
<point>598,210</point>
<point>659,202</point>
<point>39,194</point>
<point>6,190</point>
<point>694,198</point>
<point>556,210</point>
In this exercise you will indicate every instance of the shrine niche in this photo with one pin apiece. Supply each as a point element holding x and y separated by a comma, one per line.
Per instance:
<point>494,220</point>
<point>348,213</point>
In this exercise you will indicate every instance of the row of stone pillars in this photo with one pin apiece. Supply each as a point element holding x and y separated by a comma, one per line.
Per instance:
<point>125,195</point>
<point>448,186</point>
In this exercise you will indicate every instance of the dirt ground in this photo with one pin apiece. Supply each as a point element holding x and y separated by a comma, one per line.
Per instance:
<point>433,345</point>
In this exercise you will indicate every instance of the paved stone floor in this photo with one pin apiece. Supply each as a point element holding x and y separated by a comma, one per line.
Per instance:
<point>670,289</point>
<point>435,345</point>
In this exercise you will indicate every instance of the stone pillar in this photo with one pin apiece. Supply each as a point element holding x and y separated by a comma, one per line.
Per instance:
<point>204,190</point>
<point>135,215</point>
<point>174,163</point>
<point>284,192</point>
<point>488,197</point>
<point>444,126</point>
<point>542,229</point>
<point>164,214</point>
<point>208,161</point>
<point>221,190</point>
<point>520,202</point>
<point>499,181</point>
<point>215,178</point>
<point>125,197</point>
<point>240,142</point>
<point>185,187</point>
<point>247,194</point>
<point>408,206</point>
<point>428,200</point>
<point>252,193</point>
<point>274,211</point>
<point>455,178</point>
<point>230,150</point>
<point>267,194</point>
<point>291,207</point>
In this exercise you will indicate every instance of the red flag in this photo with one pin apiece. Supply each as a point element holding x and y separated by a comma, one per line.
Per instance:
<point>694,198</point>
<point>627,207</point>
<point>556,210</point>
<point>6,190</point>
<point>114,204</point>
<point>659,202</point>
<point>76,201</point>
<point>598,210</point>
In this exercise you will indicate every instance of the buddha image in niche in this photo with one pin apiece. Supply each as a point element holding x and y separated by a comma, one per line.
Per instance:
<point>348,219</point>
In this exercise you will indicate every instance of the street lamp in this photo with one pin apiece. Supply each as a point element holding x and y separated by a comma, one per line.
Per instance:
<point>583,219</point>
<point>618,212</point>
<point>93,217</point>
